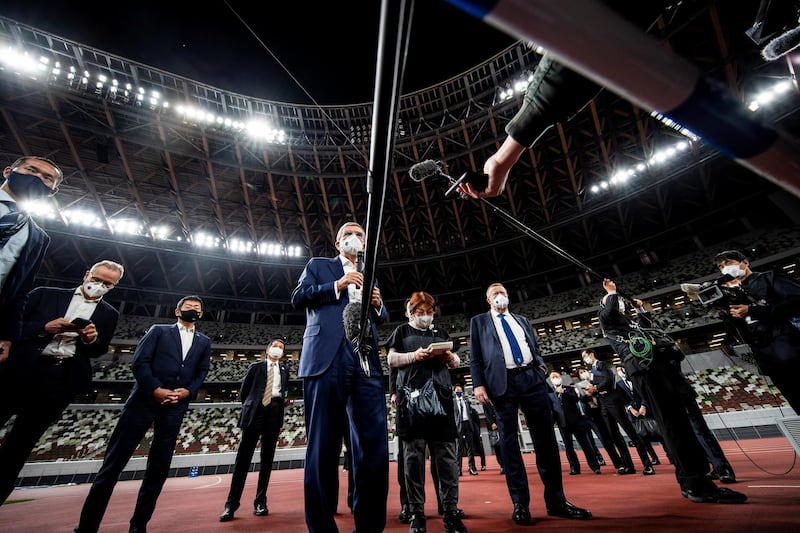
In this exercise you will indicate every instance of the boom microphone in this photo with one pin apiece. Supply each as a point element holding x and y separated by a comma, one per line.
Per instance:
<point>426,169</point>
<point>429,168</point>
<point>782,45</point>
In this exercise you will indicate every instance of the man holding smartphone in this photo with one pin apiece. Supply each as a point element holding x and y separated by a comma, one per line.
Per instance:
<point>61,330</point>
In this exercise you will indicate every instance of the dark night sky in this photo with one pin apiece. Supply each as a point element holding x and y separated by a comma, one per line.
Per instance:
<point>330,47</point>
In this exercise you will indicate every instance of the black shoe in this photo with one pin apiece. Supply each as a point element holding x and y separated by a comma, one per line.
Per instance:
<point>460,473</point>
<point>458,512</point>
<point>452,522</point>
<point>135,528</point>
<point>405,515</point>
<point>418,523</point>
<point>502,471</point>
<point>648,471</point>
<point>227,515</point>
<point>724,474</point>
<point>656,461</point>
<point>716,495</point>
<point>483,467</point>
<point>472,471</point>
<point>261,509</point>
<point>567,510</point>
<point>521,515</point>
<point>596,471</point>
<point>601,461</point>
<point>574,471</point>
<point>624,470</point>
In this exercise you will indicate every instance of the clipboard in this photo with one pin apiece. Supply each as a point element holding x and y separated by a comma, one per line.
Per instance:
<point>439,348</point>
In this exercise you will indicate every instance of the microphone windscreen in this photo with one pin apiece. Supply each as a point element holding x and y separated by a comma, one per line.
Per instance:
<point>782,45</point>
<point>425,169</point>
<point>351,318</point>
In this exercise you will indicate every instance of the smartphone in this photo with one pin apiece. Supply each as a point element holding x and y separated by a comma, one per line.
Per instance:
<point>81,322</point>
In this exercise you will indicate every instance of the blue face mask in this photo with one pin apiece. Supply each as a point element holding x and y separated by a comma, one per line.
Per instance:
<point>459,394</point>
<point>27,186</point>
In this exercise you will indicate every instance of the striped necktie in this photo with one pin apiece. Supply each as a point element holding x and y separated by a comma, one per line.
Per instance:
<point>270,382</point>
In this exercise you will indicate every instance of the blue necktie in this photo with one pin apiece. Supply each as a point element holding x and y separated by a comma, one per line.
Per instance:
<point>516,351</point>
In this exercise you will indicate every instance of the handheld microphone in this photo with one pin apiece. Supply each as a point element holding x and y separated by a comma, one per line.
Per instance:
<point>426,169</point>
<point>429,168</point>
<point>478,180</point>
<point>360,262</point>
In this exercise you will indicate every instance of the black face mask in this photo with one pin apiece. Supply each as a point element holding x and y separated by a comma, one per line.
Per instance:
<point>190,315</point>
<point>27,186</point>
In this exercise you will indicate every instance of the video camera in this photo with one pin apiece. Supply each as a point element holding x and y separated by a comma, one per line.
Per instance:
<point>716,294</point>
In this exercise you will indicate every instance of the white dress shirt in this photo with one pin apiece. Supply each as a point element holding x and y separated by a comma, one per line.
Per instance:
<point>63,344</point>
<point>519,334</point>
<point>276,378</point>
<point>187,338</point>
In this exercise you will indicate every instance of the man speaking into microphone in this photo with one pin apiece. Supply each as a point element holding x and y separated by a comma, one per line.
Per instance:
<point>336,387</point>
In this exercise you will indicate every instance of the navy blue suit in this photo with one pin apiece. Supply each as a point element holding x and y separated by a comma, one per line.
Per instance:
<point>335,388</point>
<point>157,362</point>
<point>257,422</point>
<point>37,388</point>
<point>509,392</point>
<point>19,283</point>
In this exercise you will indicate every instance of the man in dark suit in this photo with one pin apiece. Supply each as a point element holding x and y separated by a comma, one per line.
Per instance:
<point>571,423</point>
<point>494,434</point>
<point>22,242</point>
<point>508,371</point>
<point>169,365</point>
<point>477,441</point>
<point>464,426</point>
<point>613,402</point>
<point>62,330</point>
<point>263,393</point>
<point>336,387</point>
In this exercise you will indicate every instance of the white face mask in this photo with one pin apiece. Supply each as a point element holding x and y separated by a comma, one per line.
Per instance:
<point>622,374</point>
<point>586,377</point>
<point>556,382</point>
<point>275,352</point>
<point>587,361</point>
<point>351,245</point>
<point>423,321</point>
<point>94,290</point>
<point>500,301</point>
<point>734,271</point>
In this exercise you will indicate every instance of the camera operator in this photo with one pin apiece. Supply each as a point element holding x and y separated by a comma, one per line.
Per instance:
<point>652,362</point>
<point>769,321</point>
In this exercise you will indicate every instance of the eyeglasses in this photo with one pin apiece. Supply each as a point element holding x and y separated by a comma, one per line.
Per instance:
<point>106,284</point>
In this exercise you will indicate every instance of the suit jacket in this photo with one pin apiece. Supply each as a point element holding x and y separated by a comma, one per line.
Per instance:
<point>324,335</point>
<point>252,390</point>
<point>487,364</point>
<point>565,407</point>
<point>19,283</point>
<point>45,304</point>
<point>158,362</point>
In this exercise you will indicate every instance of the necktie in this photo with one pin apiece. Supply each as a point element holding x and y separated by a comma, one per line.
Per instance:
<point>11,223</point>
<point>516,351</point>
<point>270,381</point>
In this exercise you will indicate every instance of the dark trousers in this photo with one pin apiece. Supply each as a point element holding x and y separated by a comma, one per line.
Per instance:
<point>465,445</point>
<point>267,427</point>
<point>614,412</point>
<point>401,472</point>
<point>705,436</point>
<point>660,387</point>
<point>477,445</point>
<point>139,413</point>
<point>443,463</point>
<point>46,397</point>
<point>579,430</point>
<point>598,424</point>
<point>343,392</point>
<point>527,391</point>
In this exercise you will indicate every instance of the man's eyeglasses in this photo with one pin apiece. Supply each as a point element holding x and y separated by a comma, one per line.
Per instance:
<point>106,284</point>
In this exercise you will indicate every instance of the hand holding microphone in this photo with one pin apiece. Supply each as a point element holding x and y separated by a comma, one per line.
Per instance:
<point>426,169</point>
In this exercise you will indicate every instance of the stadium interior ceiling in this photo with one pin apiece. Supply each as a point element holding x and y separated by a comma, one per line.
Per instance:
<point>132,159</point>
